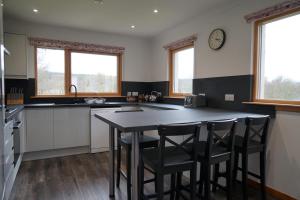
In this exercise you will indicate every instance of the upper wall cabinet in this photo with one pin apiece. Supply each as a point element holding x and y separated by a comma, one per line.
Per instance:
<point>16,62</point>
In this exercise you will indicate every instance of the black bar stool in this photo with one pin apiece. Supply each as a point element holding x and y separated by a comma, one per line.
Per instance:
<point>126,142</point>
<point>216,149</point>
<point>254,141</point>
<point>172,159</point>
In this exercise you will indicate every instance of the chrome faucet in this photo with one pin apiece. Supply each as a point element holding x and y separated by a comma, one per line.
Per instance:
<point>74,88</point>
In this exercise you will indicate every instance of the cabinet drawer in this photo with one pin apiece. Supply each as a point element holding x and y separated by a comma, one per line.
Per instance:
<point>8,164</point>
<point>8,146</point>
<point>8,130</point>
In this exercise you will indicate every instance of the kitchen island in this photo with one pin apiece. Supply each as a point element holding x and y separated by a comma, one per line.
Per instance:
<point>137,122</point>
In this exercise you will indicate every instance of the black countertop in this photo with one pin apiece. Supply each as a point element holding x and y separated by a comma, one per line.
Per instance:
<point>149,120</point>
<point>106,105</point>
<point>12,110</point>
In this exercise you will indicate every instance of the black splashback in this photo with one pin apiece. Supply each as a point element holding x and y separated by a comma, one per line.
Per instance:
<point>132,86</point>
<point>216,88</point>
<point>145,87</point>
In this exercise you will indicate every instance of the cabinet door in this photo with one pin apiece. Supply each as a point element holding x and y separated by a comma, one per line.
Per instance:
<point>39,129</point>
<point>100,131</point>
<point>71,127</point>
<point>16,62</point>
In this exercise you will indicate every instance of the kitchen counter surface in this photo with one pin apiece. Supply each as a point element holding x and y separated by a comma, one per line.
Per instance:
<point>149,120</point>
<point>107,105</point>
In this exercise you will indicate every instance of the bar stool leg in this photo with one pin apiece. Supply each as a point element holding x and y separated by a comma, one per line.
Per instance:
<point>207,181</point>
<point>141,179</point>
<point>160,186</point>
<point>201,181</point>
<point>193,181</point>
<point>236,165</point>
<point>215,176</point>
<point>178,185</point>
<point>263,175</point>
<point>229,179</point>
<point>172,195</point>
<point>128,172</point>
<point>245,175</point>
<point>118,164</point>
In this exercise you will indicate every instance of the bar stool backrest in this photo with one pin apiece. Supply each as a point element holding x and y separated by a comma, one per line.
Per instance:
<point>220,135</point>
<point>188,146</point>
<point>256,129</point>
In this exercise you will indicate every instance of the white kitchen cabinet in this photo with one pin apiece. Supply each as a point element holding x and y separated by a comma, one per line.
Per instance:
<point>100,131</point>
<point>71,127</point>
<point>16,62</point>
<point>39,129</point>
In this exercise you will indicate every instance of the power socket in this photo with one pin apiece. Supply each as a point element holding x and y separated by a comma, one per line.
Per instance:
<point>229,97</point>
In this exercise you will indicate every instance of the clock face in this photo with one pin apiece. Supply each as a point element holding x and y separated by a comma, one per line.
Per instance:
<point>216,39</point>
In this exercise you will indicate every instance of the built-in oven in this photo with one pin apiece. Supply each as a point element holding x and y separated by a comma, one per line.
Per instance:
<point>17,140</point>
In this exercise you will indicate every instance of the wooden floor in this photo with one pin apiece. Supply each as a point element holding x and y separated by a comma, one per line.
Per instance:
<point>78,177</point>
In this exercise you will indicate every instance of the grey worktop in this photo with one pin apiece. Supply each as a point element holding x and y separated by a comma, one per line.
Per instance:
<point>105,105</point>
<point>149,120</point>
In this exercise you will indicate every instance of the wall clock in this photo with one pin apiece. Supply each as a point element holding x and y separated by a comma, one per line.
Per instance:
<point>216,39</point>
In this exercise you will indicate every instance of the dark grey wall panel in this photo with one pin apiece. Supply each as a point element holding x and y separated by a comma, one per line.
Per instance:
<point>216,88</point>
<point>145,87</point>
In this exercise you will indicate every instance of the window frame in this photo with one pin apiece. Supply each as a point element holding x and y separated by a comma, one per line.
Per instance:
<point>68,74</point>
<point>171,69</point>
<point>256,60</point>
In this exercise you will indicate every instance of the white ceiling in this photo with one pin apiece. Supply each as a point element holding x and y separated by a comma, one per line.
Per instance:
<point>114,16</point>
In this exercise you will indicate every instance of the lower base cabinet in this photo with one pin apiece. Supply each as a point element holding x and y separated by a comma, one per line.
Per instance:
<point>39,129</point>
<point>71,127</point>
<point>56,128</point>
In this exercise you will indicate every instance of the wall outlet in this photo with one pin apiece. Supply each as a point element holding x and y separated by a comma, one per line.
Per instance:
<point>229,97</point>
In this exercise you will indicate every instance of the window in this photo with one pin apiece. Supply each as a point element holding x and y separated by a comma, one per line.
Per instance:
<point>50,71</point>
<point>276,58</point>
<point>93,74</point>
<point>181,71</point>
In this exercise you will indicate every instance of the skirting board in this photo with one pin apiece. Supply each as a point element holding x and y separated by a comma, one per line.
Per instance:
<point>55,153</point>
<point>272,192</point>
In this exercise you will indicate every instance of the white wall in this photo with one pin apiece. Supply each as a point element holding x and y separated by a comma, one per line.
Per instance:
<point>283,170</point>
<point>233,59</point>
<point>136,63</point>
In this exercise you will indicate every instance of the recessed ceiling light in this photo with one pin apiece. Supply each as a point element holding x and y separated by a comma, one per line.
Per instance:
<point>35,10</point>
<point>2,4</point>
<point>133,26</point>
<point>155,11</point>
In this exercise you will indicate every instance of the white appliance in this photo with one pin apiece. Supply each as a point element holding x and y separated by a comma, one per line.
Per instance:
<point>100,130</point>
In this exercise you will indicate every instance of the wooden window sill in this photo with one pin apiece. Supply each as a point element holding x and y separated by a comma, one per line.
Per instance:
<point>278,106</point>
<point>174,97</point>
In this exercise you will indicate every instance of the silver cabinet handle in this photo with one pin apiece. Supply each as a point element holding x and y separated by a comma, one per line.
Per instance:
<point>18,125</point>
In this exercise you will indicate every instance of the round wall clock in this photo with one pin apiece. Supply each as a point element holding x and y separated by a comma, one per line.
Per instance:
<point>216,39</point>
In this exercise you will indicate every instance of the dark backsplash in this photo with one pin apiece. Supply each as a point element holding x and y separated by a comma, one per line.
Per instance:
<point>145,87</point>
<point>214,88</point>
